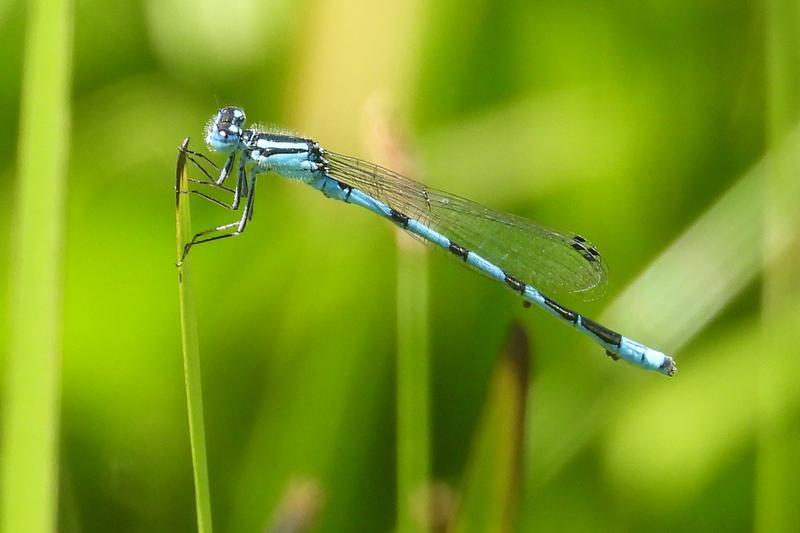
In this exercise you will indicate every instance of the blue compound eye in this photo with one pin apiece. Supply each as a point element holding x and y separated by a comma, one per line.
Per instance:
<point>225,129</point>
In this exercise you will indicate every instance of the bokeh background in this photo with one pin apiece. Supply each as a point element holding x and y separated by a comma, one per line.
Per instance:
<point>663,131</point>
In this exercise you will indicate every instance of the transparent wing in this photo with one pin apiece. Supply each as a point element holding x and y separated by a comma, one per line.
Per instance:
<point>551,261</point>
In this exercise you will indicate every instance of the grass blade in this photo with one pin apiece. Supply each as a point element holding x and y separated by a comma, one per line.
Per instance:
<point>709,434</point>
<point>30,433</point>
<point>668,309</point>
<point>777,468</point>
<point>413,338</point>
<point>412,380</point>
<point>492,482</point>
<point>191,351</point>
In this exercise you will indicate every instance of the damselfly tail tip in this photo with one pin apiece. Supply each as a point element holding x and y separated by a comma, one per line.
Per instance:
<point>668,367</point>
<point>649,358</point>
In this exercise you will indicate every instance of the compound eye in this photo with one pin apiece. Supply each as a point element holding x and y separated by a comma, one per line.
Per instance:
<point>230,118</point>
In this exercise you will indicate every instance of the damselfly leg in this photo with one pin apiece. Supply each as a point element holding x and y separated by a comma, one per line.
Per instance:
<point>231,229</point>
<point>238,192</point>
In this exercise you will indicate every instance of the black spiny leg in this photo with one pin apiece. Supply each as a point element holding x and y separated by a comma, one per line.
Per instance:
<point>210,199</point>
<point>223,173</point>
<point>196,239</point>
<point>217,182</point>
<point>241,185</point>
<point>240,226</point>
<point>248,209</point>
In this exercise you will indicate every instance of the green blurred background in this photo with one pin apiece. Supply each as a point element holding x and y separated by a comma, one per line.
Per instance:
<point>660,130</point>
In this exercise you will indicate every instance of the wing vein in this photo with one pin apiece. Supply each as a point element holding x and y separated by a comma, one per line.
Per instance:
<point>550,260</point>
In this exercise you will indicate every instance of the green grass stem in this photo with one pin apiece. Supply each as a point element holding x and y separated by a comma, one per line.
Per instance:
<point>777,468</point>
<point>493,479</point>
<point>32,396</point>
<point>414,496</point>
<point>412,384</point>
<point>191,352</point>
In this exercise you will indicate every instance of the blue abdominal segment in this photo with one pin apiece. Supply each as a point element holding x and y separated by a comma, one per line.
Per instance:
<point>616,345</point>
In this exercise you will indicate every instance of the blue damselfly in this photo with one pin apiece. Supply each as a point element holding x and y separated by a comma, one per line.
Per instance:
<point>526,257</point>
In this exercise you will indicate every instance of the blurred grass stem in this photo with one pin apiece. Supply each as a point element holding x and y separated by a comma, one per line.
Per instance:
<point>31,405</point>
<point>493,477</point>
<point>191,352</point>
<point>413,336</point>
<point>777,467</point>
<point>412,379</point>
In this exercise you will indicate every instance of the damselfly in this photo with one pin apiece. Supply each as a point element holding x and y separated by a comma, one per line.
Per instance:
<point>524,256</point>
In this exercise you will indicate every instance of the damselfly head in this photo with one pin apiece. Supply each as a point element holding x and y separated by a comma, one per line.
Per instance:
<point>225,129</point>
